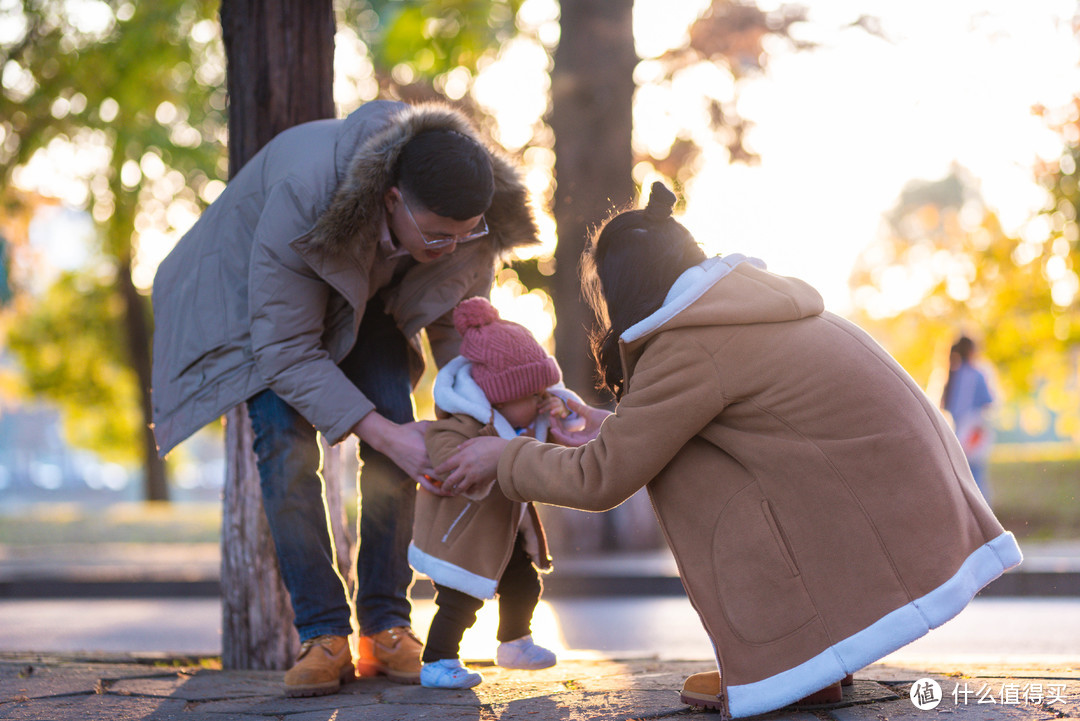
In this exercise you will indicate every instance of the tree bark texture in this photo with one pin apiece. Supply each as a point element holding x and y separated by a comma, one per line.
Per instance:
<point>592,90</point>
<point>280,73</point>
<point>280,57</point>
<point>256,614</point>
<point>137,330</point>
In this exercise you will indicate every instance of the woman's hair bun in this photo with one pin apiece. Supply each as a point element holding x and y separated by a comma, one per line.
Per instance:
<point>474,313</point>
<point>661,201</point>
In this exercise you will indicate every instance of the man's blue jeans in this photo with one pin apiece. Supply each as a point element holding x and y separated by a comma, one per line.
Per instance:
<point>288,459</point>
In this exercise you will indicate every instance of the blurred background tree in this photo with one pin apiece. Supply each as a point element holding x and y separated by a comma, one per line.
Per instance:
<point>943,266</point>
<point>122,102</point>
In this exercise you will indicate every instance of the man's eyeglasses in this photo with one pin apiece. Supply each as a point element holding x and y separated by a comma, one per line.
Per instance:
<point>444,240</point>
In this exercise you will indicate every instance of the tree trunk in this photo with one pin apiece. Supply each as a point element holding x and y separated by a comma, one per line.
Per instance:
<point>592,89</point>
<point>137,328</point>
<point>280,73</point>
<point>256,615</point>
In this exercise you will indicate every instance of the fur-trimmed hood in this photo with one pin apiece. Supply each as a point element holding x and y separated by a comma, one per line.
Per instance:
<point>366,173</point>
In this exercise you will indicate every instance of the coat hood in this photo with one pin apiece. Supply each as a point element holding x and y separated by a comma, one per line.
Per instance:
<point>356,209</point>
<point>456,392</point>
<point>729,290</point>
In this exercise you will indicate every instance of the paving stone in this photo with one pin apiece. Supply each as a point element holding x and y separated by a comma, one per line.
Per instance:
<point>615,705</point>
<point>202,685</point>
<point>574,690</point>
<point>781,715</point>
<point>656,675</point>
<point>863,691</point>
<point>280,705</point>
<point>36,680</point>
<point>399,712</point>
<point>471,697</point>
<point>95,707</point>
<point>904,710</point>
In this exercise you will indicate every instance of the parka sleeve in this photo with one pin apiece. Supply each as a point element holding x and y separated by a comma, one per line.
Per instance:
<point>673,396</point>
<point>287,303</point>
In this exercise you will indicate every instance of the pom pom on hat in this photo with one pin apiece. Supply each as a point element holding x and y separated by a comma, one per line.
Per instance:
<point>474,313</point>
<point>507,361</point>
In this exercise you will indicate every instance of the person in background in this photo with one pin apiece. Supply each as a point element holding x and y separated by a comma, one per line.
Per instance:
<point>967,399</point>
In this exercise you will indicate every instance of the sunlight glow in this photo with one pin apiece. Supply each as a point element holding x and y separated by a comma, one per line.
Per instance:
<point>660,25</point>
<point>514,89</point>
<point>479,642</point>
<point>530,308</point>
<point>354,75</point>
<point>840,129</point>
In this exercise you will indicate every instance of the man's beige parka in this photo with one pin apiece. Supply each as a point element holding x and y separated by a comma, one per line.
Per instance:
<point>268,288</point>
<point>818,505</point>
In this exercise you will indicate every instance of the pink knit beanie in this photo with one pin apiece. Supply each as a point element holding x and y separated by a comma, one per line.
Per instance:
<point>507,362</point>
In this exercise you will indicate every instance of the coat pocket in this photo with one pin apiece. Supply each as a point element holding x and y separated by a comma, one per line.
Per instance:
<point>758,580</point>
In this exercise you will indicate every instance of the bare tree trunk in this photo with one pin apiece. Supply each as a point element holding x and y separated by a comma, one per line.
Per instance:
<point>280,73</point>
<point>256,615</point>
<point>592,89</point>
<point>137,328</point>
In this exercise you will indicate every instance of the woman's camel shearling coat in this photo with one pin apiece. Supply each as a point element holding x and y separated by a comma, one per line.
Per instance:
<point>817,503</point>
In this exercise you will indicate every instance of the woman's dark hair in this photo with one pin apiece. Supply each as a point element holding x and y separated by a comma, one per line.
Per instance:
<point>448,173</point>
<point>628,267</point>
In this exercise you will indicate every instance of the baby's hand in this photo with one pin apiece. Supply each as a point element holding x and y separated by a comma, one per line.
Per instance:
<point>561,416</point>
<point>554,406</point>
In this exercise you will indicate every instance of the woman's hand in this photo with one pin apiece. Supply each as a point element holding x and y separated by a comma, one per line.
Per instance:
<point>474,464</point>
<point>576,437</point>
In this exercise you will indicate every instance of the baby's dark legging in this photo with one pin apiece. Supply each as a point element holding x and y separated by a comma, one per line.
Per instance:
<point>518,591</point>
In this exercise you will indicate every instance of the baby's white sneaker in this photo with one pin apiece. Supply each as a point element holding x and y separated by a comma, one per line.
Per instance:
<point>523,653</point>
<point>448,673</point>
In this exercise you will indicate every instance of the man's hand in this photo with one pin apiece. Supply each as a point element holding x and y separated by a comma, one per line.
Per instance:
<point>474,464</point>
<point>401,443</point>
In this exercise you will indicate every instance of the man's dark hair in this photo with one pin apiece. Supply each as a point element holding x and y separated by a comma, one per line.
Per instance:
<point>448,173</point>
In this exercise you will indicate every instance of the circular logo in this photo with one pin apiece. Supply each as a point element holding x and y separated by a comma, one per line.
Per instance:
<point>925,694</point>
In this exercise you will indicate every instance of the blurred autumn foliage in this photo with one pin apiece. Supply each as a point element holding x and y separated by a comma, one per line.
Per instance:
<point>944,265</point>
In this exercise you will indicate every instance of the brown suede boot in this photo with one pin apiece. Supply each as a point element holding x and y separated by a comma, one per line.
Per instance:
<point>703,689</point>
<point>323,663</point>
<point>394,653</point>
<point>833,693</point>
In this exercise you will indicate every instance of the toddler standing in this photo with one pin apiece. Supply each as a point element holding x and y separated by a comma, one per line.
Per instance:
<point>481,545</point>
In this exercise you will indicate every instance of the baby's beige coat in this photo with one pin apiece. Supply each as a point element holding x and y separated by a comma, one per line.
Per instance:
<point>465,543</point>
<point>818,505</point>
